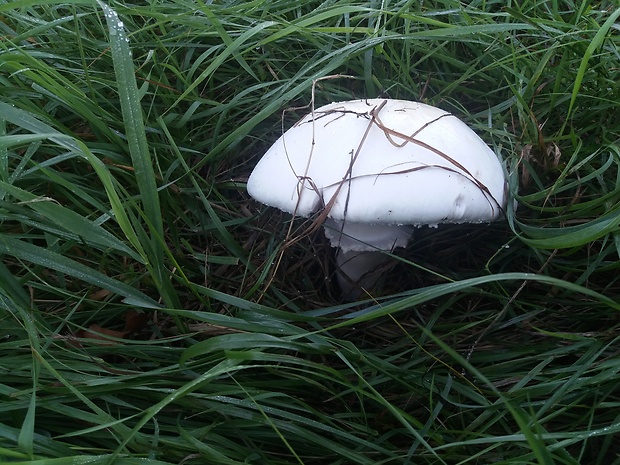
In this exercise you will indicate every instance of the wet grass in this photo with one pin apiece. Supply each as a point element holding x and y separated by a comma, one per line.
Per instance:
<point>153,313</point>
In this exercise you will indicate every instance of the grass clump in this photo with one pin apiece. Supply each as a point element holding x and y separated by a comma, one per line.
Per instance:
<point>153,313</point>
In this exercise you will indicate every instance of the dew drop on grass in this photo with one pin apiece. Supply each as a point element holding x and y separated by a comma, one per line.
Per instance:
<point>115,25</point>
<point>123,66</point>
<point>118,37</point>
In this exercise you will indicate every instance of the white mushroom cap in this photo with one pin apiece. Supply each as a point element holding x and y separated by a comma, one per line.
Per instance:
<point>413,165</point>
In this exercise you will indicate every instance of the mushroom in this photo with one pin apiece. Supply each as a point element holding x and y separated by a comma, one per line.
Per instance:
<point>375,169</point>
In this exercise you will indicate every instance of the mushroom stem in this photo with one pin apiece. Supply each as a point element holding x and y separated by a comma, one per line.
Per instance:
<point>359,272</point>
<point>361,252</point>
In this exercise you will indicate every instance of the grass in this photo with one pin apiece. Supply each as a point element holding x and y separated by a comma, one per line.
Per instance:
<point>153,313</point>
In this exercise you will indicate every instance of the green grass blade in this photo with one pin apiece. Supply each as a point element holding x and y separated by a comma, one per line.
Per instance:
<point>596,42</point>
<point>31,253</point>
<point>27,121</point>
<point>133,119</point>
<point>73,223</point>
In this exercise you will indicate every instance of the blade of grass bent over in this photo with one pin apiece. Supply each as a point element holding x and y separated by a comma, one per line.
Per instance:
<point>583,67</point>
<point>69,221</point>
<point>25,251</point>
<point>30,123</point>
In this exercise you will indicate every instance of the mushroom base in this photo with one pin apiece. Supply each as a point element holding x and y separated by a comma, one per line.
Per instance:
<point>359,272</point>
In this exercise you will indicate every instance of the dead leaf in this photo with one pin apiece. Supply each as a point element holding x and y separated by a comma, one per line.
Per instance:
<point>104,335</point>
